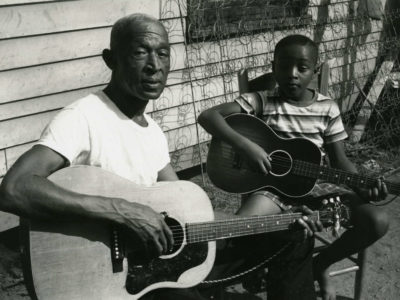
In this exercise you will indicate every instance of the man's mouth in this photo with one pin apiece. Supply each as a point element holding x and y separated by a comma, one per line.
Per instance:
<point>152,84</point>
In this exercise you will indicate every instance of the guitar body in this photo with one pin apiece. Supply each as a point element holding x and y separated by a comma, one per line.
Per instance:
<point>72,260</point>
<point>229,172</point>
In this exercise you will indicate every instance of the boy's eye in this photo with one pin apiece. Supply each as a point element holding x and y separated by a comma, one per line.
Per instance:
<point>303,68</point>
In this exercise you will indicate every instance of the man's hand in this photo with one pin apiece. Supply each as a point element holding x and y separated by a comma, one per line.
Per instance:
<point>147,224</point>
<point>376,193</point>
<point>255,156</point>
<point>303,227</point>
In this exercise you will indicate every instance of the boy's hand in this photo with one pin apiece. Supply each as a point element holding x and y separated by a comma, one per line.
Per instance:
<point>256,157</point>
<point>304,226</point>
<point>378,192</point>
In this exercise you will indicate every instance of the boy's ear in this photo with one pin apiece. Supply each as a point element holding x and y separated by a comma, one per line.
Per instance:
<point>109,58</point>
<point>317,68</point>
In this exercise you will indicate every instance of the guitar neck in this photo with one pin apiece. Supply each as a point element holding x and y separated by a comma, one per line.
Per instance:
<point>223,229</point>
<point>337,176</point>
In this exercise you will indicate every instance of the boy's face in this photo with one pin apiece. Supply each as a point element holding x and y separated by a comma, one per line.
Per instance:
<point>294,67</point>
<point>143,63</point>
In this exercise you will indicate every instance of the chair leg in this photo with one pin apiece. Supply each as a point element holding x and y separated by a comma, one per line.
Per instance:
<point>360,274</point>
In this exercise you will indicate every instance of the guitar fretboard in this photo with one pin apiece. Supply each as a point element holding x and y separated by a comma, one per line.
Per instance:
<point>209,231</point>
<point>337,176</point>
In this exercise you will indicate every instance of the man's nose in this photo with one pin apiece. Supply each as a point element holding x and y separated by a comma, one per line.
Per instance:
<point>153,62</point>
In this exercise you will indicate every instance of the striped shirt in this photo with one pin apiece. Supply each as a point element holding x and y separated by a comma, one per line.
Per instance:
<point>319,122</point>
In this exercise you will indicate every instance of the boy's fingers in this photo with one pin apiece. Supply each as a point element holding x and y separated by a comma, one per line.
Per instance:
<point>263,168</point>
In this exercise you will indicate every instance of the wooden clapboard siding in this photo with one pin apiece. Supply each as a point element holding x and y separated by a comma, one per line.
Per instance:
<point>184,137</point>
<point>52,78</point>
<point>62,76</point>
<point>36,50</point>
<point>175,117</point>
<point>23,130</point>
<point>3,162</point>
<point>57,16</point>
<point>36,105</point>
<point>13,2</point>
<point>188,92</point>
<point>13,153</point>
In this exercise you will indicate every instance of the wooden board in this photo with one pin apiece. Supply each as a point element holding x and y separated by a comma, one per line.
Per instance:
<point>22,20</point>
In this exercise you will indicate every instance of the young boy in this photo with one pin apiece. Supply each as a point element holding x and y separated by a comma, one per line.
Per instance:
<point>294,110</point>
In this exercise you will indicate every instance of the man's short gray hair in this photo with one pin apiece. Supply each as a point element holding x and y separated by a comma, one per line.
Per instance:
<point>122,29</point>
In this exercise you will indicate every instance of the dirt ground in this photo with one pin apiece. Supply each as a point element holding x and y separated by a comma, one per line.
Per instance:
<point>382,281</point>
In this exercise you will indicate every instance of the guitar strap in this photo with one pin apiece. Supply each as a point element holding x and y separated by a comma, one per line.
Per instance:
<point>252,269</point>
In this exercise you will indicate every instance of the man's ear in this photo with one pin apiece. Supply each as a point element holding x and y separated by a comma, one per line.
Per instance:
<point>109,58</point>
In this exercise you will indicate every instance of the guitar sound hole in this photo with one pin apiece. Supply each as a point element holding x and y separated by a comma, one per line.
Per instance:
<point>281,163</point>
<point>177,232</point>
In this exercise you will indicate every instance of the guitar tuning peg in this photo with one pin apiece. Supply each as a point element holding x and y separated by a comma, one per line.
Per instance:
<point>338,199</point>
<point>331,200</point>
<point>324,202</point>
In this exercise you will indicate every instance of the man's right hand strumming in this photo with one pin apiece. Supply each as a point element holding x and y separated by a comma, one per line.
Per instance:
<point>146,223</point>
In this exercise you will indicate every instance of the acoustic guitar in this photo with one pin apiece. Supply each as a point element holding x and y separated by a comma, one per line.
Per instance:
<point>94,260</point>
<point>296,163</point>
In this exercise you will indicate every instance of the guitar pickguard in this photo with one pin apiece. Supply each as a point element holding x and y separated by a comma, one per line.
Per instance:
<point>143,272</point>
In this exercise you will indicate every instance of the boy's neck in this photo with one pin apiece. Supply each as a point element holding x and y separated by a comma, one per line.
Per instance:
<point>307,98</point>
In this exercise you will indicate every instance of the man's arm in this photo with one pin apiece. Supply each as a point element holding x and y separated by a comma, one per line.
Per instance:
<point>27,192</point>
<point>167,174</point>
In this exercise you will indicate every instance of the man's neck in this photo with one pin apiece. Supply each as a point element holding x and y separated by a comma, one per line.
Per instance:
<point>131,107</point>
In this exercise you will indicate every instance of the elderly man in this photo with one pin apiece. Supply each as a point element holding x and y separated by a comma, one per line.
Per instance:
<point>108,129</point>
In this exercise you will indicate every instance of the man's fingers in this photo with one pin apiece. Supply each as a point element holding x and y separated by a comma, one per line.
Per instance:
<point>384,191</point>
<point>306,227</point>
<point>169,237</point>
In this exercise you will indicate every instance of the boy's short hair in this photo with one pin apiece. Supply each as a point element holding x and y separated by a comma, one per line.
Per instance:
<point>296,39</point>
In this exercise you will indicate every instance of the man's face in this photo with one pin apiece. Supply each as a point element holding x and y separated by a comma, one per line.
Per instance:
<point>143,61</point>
<point>294,68</point>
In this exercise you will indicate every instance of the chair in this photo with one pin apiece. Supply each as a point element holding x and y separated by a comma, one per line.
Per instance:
<point>320,83</point>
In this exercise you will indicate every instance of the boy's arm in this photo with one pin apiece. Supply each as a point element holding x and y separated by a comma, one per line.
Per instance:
<point>339,160</point>
<point>213,121</point>
<point>27,192</point>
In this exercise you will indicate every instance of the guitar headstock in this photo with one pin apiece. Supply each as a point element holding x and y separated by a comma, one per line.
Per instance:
<point>334,213</point>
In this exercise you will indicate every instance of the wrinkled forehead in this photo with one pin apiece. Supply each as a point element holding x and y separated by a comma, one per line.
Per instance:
<point>147,27</point>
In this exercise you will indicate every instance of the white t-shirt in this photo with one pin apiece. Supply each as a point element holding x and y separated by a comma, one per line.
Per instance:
<point>93,131</point>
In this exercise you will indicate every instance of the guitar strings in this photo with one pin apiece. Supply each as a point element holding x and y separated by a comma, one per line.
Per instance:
<point>306,168</point>
<point>240,226</point>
